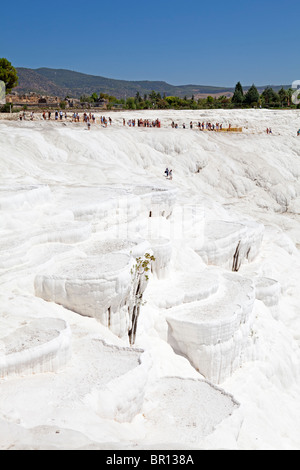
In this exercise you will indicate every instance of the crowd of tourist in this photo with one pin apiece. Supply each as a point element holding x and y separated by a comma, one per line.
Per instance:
<point>201,126</point>
<point>142,123</point>
<point>90,118</point>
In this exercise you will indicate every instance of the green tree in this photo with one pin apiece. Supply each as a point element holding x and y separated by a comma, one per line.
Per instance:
<point>289,93</point>
<point>283,96</point>
<point>252,95</point>
<point>94,97</point>
<point>112,99</point>
<point>193,105</point>
<point>162,104</point>
<point>269,97</point>
<point>6,108</point>
<point>173,102</point>
<point>138,97</point>
<point>223,99</point>
<point>153,96</point>
<point>201,103</point>
<point>8,75</point>
<point>130,103</point>
<point>238,96</point>
<point>86,99</point>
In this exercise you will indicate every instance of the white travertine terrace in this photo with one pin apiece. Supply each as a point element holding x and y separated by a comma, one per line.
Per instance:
<point>76,210</point>
<point>120,390</point>
<point>94,286</point>
<point>14,251</point>
<point>101,206</point>
<point>101,246</point>
<point>19,198</point>
<point>156,201</point>
<point>213,333</point>
<point>43,345</point>
<point>108,206</point>
<point>192,409</point>
<point>267,290</point>
<point>114,389</point>
<point>229,244</point>
<point>183,288</point>
<point>162,252</point>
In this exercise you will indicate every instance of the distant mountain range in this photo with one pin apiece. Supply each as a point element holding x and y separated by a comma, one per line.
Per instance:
<point>62,83</point>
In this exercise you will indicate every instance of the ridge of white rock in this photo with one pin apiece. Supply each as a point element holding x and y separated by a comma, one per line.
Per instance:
<point>43,345</point>
<point>77,209</point>
<point>192,409</point>
<point>122,397</point>
<point>108,206</point>
<point>113,389</point>
<point>108,287</point>
<point>110,401</point>
<point>213,334</point>
<point>162,252</point>
<point>228,243</point>
<point>183,288</point>
<point>267,290</point>
<point>156,201</point>
<point>14,251</point>
<point>94,286</point>
<point>17,198</point>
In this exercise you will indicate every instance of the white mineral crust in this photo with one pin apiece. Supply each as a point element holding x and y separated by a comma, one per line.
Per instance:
<point>97,287</point>
<point>93,356</point>
<point>44,345</point>
<point>212,334</point>
<point>229,244</point>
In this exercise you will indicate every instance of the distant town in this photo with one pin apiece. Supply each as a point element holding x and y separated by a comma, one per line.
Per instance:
<point>44,89</point>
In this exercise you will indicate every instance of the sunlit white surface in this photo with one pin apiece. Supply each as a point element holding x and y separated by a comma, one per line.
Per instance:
<point>77,207</point>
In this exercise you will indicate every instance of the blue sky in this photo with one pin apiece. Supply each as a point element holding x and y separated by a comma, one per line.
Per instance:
<point>180,42</point>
